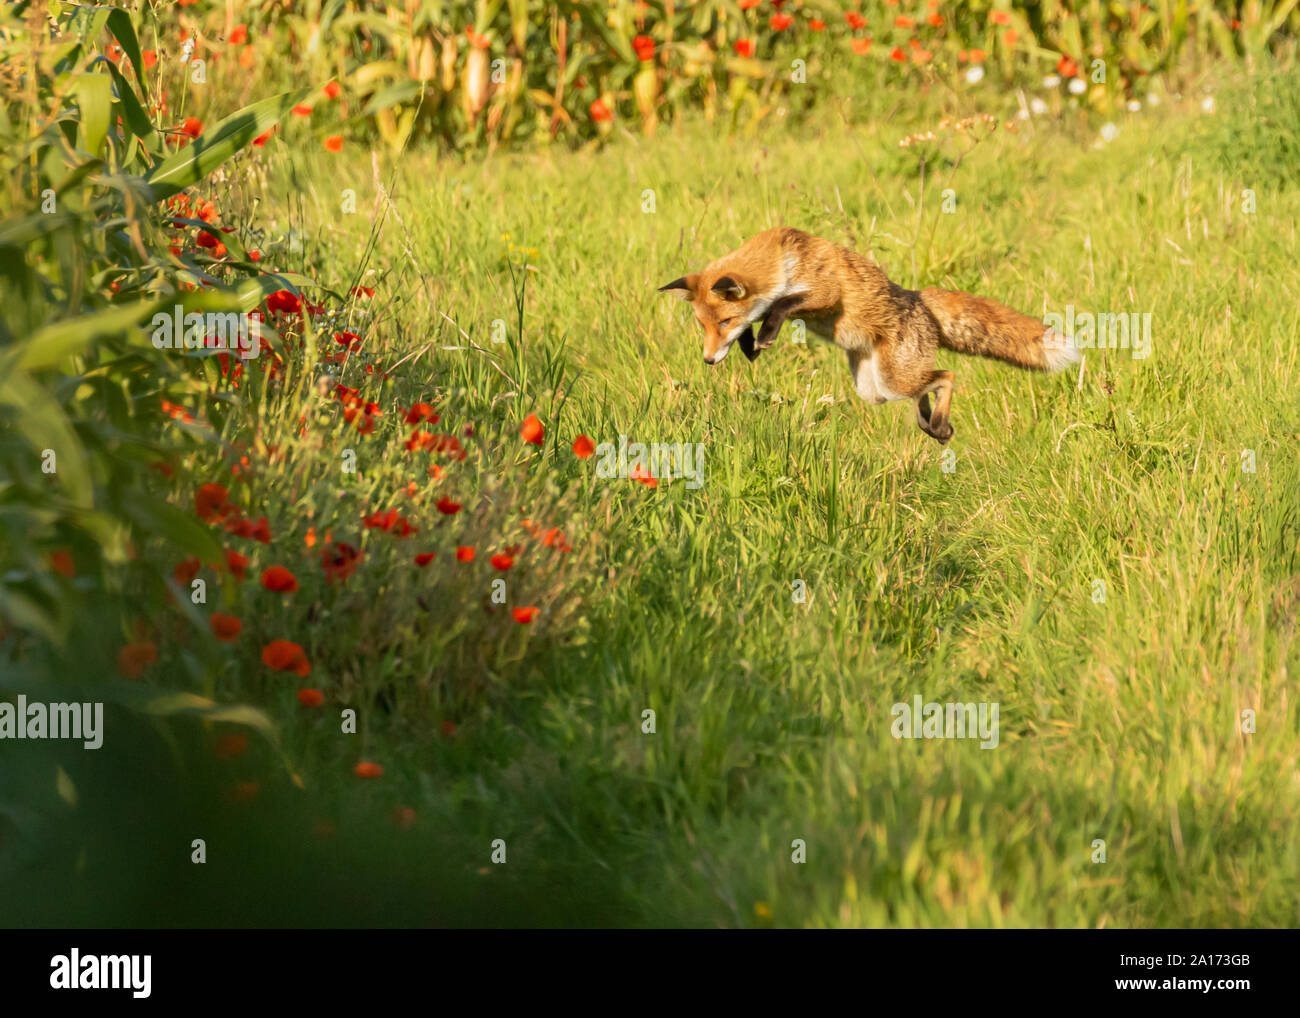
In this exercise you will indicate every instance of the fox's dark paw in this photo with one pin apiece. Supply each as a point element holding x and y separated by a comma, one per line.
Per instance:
<point>939,429</point>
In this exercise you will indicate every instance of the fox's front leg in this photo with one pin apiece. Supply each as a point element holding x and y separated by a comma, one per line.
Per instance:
<point>935,423</point>
<point>780,310</point>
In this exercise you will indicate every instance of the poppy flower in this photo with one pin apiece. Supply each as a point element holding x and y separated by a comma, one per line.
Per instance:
<point>192,126</point>
<point>978,56</point>
<point>61,562</point>
<point>817,25</point>
<point>225,628</point>
<point>747,5</point>
<point>236,563</point>
<point>501,561</point>
<point>644,47</point>
<point>150,57</point>
<point>285,656</point>
<point>311,697</point>
<point>935,20</point>
<point>583,447</point>
<point>743,47</point>
<point>239,35</point>
<point>464,554</point>
<point>280,580</point>
<point>855,20</point>
<point>1000,17</point>
<point>1067,68</point>
<point>902,22</point>
<point>212,503</point>
<point>333,143</point>
<point>263,138</point>
<point>897,55</point>
<point>524,615</point>
<point>861,46</point>
<point>332,90</point>
<point>1010,36</point>
<point>302,110</point>
<point>424,558</point>
<point>447,507</point>
<point>532,431</point>
<point>339,561</point>
<point>403,817</point>
<point>421,412</point>
<point>229,746</point>
<point>600,113</point>
<point>780,22</point>
<point>366,769</point>
<point>134,657</point>
<point>284,300</point>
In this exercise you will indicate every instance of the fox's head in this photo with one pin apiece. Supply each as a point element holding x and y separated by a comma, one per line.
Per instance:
<point>725,306</point>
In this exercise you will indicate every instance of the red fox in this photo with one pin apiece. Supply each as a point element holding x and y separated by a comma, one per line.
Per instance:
<point>891,334</point>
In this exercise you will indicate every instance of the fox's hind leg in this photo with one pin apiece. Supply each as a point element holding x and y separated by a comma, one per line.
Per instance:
<point>935,422</point>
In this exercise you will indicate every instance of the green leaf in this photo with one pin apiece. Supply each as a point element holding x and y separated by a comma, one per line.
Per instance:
<point>41,421</point>
<point>94,94</point>
<point>212,148</point>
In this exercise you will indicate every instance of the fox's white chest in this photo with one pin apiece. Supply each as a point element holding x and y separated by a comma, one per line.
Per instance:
<point>869,381</point>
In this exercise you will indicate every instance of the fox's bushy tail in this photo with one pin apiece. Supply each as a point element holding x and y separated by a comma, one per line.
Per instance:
<point>975,325</point>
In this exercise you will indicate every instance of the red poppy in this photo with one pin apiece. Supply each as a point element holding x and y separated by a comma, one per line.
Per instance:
<point>532,431</point>
<point>1067,68</point>
<point>464,554</point>
<point>284,300</point>
<point>524,615</point>
<point>817,25</point>
<point>192,126</point>
<point>644,47</point>
<point>61,562</point>
<point>334,143</point>
<point>150,57</point>
<point>935,20</point>
<point>403,817</point>
<point>743,47</point>
<point>302,110</point>
<point>229,746</point>
<point>861,46</point>
<point>978,56</point>
<point>280,580</point>
<point>780,22</point>
<point>897,55</point>
<point>212,503</point>
<point>583,447</point>
<point>855,20</point>
<point>366,769</point>
<point>332,90</point>
<point>421,412</point>
<point>239,35</point>
<point>447,507</point>
<point>600,113</point>
<point>263,138</point>
<point>285,656</point>
<point>902,22</point>
<point>236,563</point>
<point>502,561</point>
<point>311,697</point>
<point>424,558</point>
<point>134,657</point>
<point>225,628</point>
<point>339,561</point>
<point>1010,36</point>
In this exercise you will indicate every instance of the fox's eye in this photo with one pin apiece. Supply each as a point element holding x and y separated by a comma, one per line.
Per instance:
<point>724,323</point>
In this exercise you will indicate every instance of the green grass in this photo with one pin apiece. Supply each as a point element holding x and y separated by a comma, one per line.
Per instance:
<point>1120,720</point>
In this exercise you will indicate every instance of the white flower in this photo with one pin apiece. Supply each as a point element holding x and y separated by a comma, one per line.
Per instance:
<point>975,74</point>
<point>1109,132</point>
<point>1051,81</point>
<point>1153,99</point>
<point>1207,104</point>
<point>1037,106</point>
<point>1134,106</point>
<point>1078,86</point>
<point>1023,115</point>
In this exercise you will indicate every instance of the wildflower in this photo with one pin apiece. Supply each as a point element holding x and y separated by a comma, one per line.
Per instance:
<point>285,656</point>
<point>225,628</point>
<point>280,580</point>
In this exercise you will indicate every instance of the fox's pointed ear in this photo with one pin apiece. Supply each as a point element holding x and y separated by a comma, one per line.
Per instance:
<point>730,288</point>
<point>683,286</point>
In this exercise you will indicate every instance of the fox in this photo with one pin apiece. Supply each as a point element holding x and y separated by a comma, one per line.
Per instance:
<point>891,334</point>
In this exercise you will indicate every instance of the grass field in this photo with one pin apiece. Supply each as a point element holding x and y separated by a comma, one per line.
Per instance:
<point>1108,554</point>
